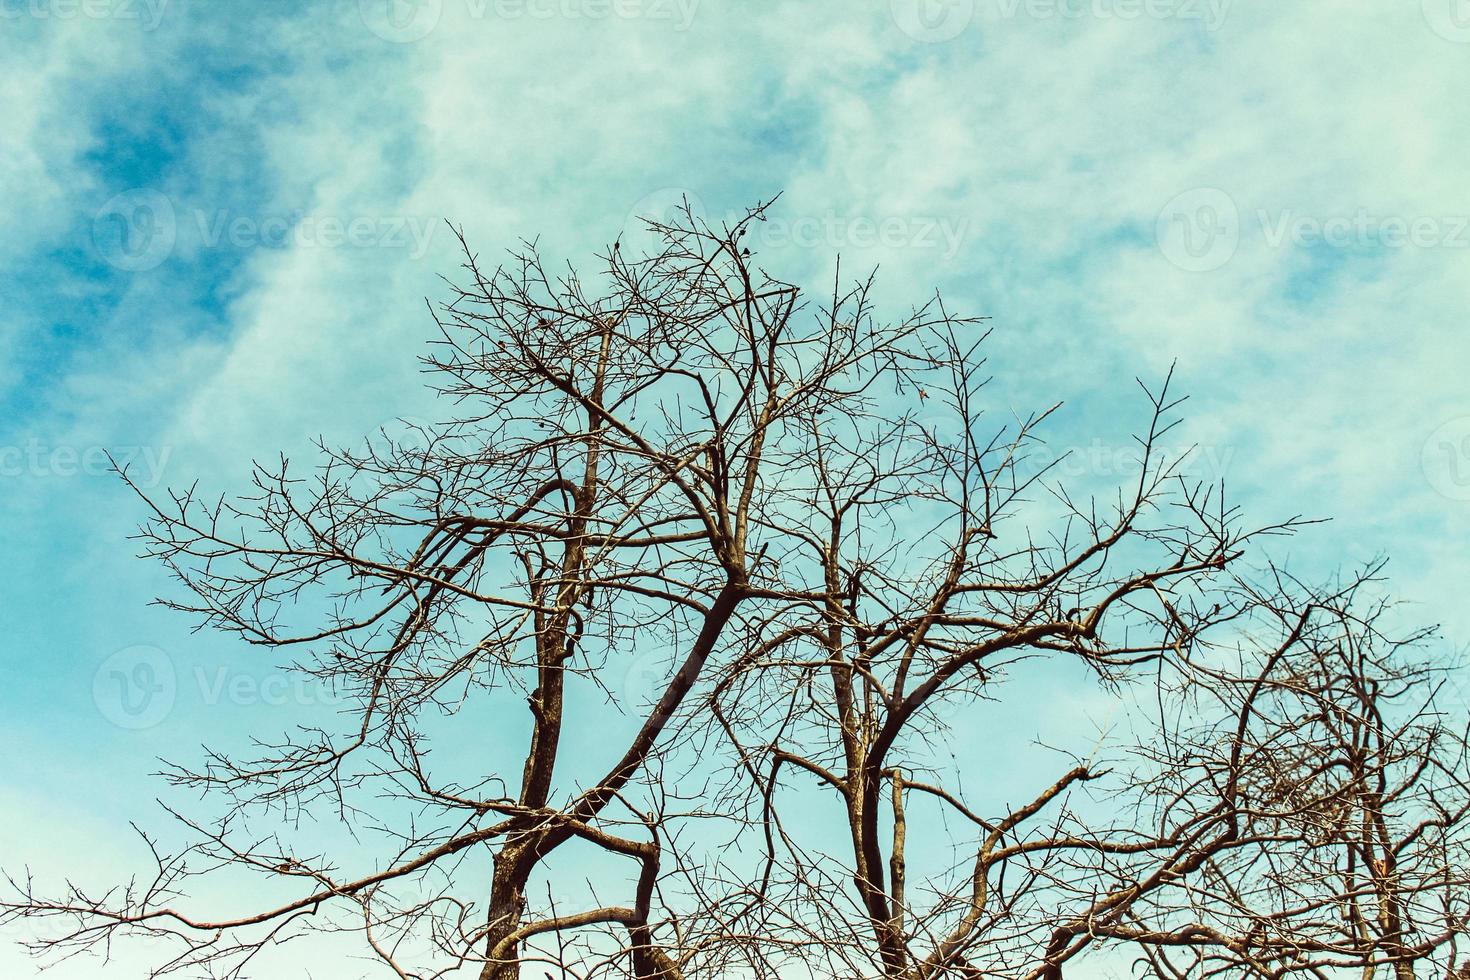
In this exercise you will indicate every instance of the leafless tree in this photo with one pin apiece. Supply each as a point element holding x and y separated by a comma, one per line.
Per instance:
<point>799,522</point>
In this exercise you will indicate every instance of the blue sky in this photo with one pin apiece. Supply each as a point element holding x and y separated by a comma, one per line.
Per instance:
<point>223,220</point>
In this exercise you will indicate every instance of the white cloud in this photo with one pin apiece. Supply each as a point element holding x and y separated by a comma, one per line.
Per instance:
<point>1054,143</point>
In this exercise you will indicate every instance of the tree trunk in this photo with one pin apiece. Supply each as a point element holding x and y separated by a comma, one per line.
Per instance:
<point>507,907</point>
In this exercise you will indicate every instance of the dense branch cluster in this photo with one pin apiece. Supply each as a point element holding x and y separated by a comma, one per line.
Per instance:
<point>797,522</point>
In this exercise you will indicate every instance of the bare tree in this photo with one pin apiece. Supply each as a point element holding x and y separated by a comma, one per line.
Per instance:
<point>800,522</point>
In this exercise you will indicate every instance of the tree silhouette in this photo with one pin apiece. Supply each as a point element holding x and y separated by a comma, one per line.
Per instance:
<point>741,566</point>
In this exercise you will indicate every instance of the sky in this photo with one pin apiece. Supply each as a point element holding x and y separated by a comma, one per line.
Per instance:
<point>223,220</point>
